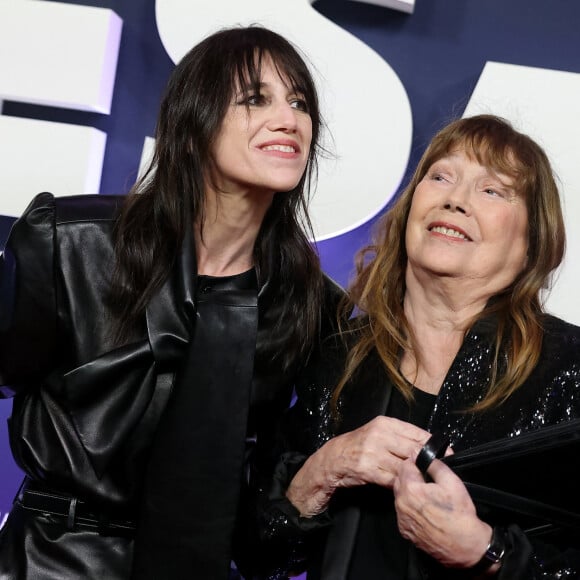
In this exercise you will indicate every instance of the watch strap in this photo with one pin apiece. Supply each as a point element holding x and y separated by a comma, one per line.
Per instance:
<point>494,552</point>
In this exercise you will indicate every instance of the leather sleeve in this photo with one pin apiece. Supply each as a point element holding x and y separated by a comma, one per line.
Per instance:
<point>28,311</point>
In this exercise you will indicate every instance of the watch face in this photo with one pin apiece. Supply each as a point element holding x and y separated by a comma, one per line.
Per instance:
<point>494,556</point>
<point>496,548</point>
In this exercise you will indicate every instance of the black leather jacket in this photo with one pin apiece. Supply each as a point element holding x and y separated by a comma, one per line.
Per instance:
<point>85,410</point>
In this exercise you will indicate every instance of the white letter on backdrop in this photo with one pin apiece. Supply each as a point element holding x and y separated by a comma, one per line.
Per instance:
<point>544,104</point>
<point>60,55</point>
<point>402,5</point>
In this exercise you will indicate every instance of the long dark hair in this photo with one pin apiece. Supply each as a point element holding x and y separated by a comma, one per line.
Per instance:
<point>169,198</point>
<point>379,287</point>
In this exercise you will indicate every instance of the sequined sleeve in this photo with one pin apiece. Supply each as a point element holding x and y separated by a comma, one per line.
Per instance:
<point>557,398</point>
<point>550,396</point>
<point>287,537</point>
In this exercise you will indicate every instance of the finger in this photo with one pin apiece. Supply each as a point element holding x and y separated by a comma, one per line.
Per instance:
<point>443,475</point>
<point>409,431</point>
<point>433,449</point>
<point>408,475</point>
<point>399,428</point>
<point>404,439</point>
<point>386,435</point>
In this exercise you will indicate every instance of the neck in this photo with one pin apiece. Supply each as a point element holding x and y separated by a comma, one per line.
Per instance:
<point>444,302</point>
<point>439,315</point>
<point>225,241</point>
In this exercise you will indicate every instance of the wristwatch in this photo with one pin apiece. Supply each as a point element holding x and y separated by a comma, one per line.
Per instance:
<point>493,553</point>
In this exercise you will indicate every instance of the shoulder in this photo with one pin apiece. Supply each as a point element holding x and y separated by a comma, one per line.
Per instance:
<point>559,363</point>
<point>333,294</point>
<point>560,334</point>
<point>331,288</point>
<point>330,360</point>
<point>66,226</point>
<point>87,208</point>
<point>46,208</point>
<point>332,300</point>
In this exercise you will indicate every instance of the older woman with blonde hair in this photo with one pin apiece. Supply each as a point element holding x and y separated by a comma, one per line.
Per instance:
<point>451,337</point>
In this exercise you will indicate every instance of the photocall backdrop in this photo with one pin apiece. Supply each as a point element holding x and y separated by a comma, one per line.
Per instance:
<point>80,83</point>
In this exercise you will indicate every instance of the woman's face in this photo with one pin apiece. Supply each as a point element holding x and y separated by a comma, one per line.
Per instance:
<point>264,141</point>
<point>466,221</point>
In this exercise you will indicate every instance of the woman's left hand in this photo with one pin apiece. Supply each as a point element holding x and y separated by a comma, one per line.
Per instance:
<point>439,517</point>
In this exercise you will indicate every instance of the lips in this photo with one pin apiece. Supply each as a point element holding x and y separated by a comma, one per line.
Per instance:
<point>287,146</point>
<point>451,232</point>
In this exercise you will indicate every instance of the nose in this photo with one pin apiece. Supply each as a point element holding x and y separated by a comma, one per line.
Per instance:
<point>458,199</point>
<point>283,117</point>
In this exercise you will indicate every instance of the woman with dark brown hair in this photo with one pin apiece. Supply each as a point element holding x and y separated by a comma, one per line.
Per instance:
<point>451,337</point>
<point>150,340</point>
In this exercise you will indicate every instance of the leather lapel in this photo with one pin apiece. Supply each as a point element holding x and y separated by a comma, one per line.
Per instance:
<point>367,395</point>
<point>340,544</point>
<point>129,370</point>
<point>171,311</point>
<point>368,398</point>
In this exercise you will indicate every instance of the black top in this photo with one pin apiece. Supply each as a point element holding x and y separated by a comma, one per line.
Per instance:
<point>380,551</point>
<point>211,285</point>
<point>185,490</point>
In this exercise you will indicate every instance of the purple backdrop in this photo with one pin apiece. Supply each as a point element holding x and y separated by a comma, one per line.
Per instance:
<point>438,53</point>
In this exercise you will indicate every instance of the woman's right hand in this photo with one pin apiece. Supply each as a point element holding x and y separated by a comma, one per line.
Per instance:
<point>372,453</point>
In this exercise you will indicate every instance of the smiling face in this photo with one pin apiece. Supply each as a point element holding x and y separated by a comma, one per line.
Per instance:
<point>467,222</point>
<point>264,142</point>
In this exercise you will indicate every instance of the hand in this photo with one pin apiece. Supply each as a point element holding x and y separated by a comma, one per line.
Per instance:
<point>373,453</point>
<point>439,517</point>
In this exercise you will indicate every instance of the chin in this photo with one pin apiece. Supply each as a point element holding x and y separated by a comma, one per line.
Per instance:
<point>284,187</point>
<point>282,181</point>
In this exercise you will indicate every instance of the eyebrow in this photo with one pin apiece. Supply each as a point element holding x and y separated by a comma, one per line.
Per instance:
<point>501,177</point>
<point>248,86</point>
<point>491,172</point>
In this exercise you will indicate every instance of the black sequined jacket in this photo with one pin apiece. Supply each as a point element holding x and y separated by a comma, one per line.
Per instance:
<point>324,544</point>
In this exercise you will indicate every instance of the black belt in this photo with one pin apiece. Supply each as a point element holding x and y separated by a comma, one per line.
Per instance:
<point>74,510</point>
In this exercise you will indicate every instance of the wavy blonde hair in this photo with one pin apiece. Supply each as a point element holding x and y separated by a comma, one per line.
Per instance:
<point>379,286</point>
